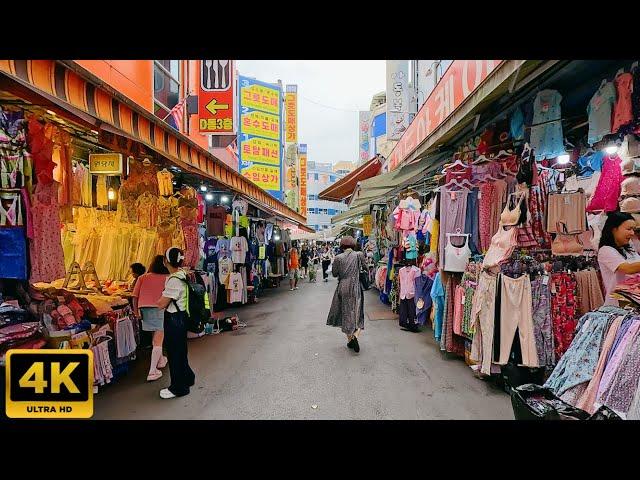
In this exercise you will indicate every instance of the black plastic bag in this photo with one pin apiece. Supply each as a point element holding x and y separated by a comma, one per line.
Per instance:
<point>533,402</point>
<point>605,414</point>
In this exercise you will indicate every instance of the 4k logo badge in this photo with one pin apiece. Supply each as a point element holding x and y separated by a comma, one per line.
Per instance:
<point>49,384</point>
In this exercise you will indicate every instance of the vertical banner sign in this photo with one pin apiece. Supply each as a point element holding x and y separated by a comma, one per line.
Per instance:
<point>215,97</point>
<point>397,98</point>
<point>363,134</point>
<point>260,134</point>
<point>302,161</point>
<point>460,80</point>
<point>291,108</point>
<point>291,148</point>
<point>366,225</point>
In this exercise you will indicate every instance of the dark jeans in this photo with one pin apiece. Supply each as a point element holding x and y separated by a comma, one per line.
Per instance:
<point>325,265</point>
<point>175,340</point>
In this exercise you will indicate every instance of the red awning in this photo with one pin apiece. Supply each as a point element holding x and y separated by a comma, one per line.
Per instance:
<point>344,187</point>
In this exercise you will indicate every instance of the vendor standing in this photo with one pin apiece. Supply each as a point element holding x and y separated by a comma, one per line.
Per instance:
<point>616,256</point>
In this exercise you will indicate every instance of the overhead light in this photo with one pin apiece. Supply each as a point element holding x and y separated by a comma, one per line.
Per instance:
<point>95,132</point>
<point>111,194</point>
<point>224,199</point>
<point>276,237</point>
<point>611,149</point>
<point>209,197</point>
<point>51,112</point>
<point>564,159</point>
<point>203,188</point>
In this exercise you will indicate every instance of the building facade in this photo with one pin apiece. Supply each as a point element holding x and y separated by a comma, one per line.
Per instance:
<point>343,168</point>
<point>319,212</point>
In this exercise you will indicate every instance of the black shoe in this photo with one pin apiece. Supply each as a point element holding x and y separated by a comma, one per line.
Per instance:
<point>356,345</point>
<point>350,344</point>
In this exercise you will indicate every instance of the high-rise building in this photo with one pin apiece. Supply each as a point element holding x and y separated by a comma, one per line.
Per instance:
<point>319,212</point>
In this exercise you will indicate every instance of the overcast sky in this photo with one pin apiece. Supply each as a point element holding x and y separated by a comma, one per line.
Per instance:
<point>331,135</point>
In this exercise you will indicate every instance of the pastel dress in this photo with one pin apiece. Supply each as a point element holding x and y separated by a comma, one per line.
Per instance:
<point>546,131</point>
<point>47,256</point>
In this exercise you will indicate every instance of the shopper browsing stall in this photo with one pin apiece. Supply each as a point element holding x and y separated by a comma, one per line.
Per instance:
<point>326,261</point>
<point>174,302</point>
<point>147,291</point>
<point>617,257</point>
<point>294,268</point>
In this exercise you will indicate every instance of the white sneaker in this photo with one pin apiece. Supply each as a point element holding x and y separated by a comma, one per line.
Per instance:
<point>295,288</point>
<point>166,394</point>
<point>152,377</point>
<point>291,289</point>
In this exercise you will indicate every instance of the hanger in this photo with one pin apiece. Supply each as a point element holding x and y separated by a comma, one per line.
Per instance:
<point>619,72</point>
<point>603,83</point>
<point>634,65</point>
<point>454,164</point>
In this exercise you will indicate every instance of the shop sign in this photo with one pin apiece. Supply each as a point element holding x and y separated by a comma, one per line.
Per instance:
<point>49,383</point>
<point>260,138</point>
<point>264,176</point>
<point>302,165</point>
<point>366,225</point>
<point>260,150</point>
<point>363,133</point>
<point>291,109</point>
<point>397,98</point>
<point>105,163</point>
<point>216,90</point>
<point>460,80</point>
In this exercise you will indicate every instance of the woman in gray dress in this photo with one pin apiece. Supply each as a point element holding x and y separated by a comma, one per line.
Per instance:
<point>347,307</point>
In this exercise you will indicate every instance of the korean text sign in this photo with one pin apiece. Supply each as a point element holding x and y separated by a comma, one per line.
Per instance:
<point>302,162</point>
<point>216,90</point>
<point>260,134</point>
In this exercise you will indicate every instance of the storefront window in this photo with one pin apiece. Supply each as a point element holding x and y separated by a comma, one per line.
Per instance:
<point>166,86</point>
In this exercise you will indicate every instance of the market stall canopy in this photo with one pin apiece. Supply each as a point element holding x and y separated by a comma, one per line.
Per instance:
<point>343,188</point>
<point>349,214</point>
<point>79,93</point>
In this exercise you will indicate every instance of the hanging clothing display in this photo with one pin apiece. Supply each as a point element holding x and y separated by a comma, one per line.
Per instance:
<point>47,257</point>
<point>546,129</point>
<point>600,110</point>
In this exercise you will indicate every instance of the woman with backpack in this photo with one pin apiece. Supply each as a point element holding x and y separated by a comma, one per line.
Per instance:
<point>174,303</point>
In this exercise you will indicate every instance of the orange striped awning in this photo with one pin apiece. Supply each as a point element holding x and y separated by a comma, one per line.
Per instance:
<point>53,78</point>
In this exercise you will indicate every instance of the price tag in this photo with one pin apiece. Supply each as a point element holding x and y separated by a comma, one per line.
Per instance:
<point>479,195</point>
<point>453,195</point>
<point>545,279</point>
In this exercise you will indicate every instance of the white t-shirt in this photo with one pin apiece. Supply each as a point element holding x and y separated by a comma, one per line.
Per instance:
<point>609,260</point>
<point>239,247</point>
<point>176,289</point>
<point>225,267</point>
<point>236,285</point>
<point>241,205</point>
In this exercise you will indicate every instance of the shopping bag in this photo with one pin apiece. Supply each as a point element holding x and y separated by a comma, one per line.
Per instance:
<point>534,402</point>
<point>13,251</point>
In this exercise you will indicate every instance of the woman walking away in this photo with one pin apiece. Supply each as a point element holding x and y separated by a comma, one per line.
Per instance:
<point>146,294</point>
<point>326,261</point>
<point>304,261</point>
<point>174,301</point>
<point>347,307</point>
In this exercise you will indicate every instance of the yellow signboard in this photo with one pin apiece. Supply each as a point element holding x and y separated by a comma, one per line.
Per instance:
<point>260,150</point>
<point>366,225</point>
<point>264,176</point>
<point>105,163</point>
<point>261,98</point>
<point>291,121</point>
<point>261,124</point>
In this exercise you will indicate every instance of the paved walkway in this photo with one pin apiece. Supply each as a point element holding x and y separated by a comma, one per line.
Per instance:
<point>287,360</point>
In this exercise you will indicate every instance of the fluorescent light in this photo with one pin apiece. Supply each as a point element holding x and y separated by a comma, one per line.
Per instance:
<point>209,197</point>
<point>276,237</point>
<point>224,199</point>
<point>611,149</point>
<point>203,188</point>
<point>95,132</point>
<point>51,112</point>
<point>564,159</point>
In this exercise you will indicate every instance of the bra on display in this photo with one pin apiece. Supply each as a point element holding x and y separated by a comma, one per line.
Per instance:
<point>512,217</point>
<point>566,243</point>
<point>456,258</point>
<point>630,186</point>
<point>630,205</point>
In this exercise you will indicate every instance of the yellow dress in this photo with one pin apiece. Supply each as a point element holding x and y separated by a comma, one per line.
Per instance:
<point>101,191</point>
<point>165,182</point>
<point>435,233</point>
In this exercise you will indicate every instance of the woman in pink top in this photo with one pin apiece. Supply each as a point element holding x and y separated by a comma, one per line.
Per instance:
<point>146,293</point>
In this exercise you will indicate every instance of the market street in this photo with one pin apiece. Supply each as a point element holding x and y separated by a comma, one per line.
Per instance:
<point>287,360</point>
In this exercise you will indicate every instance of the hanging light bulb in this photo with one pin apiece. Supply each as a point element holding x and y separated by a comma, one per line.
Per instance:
<point>224,199</point>
<point>111,194</point>
<point>564,159</point>
<point>611,149</point>
<point>203,188</point>
<point>209,197</point>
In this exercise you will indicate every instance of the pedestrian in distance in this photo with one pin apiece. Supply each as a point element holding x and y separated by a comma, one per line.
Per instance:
<point>313,266</point>
<point>294,269</point>
<point>146,294</point>
<point>347,306</point>
<point>304,261</point>
<point>174,303</point>
<point>326,258</point>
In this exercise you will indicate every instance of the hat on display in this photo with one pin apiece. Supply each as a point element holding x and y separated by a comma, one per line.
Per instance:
<point>630,186</point>
<point>630,205</point>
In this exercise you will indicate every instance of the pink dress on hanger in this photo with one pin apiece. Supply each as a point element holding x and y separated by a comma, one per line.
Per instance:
<point>608,190</point>
<point>47,257</point>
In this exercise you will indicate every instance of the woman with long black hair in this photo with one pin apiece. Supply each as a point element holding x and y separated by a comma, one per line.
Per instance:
<point>616,256</point>
<point>174,303</point>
